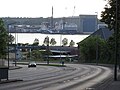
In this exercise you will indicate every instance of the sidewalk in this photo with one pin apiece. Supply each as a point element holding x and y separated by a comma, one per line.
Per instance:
<point>114,85</point>
<point>11,80</point>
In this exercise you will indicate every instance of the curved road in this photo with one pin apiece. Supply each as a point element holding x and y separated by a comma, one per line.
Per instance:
<point>72,77</point>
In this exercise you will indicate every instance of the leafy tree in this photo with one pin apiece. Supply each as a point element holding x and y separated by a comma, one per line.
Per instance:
<point>36,42</point>
<point>3,39</point>
<point>109,14</point>
<point>11,38</point>
<point>46,40</point>
<point>109,17</point>
<point>65,41</point>
<point>52,41</point>
<point>89,46</point>
<point>72,43</point>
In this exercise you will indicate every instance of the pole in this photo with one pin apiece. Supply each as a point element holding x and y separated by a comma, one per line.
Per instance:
<point>96,52</point>
<point>8,47</point>
<point>15,46</point>
<point>96,39</point>
<point>116,42</point>
<point>60,47</point>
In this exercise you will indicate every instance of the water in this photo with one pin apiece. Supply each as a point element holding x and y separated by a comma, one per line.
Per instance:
<point>30,37</point>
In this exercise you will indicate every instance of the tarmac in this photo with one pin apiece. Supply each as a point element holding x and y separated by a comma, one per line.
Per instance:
<point>113,85</point>
<point>108,84</point>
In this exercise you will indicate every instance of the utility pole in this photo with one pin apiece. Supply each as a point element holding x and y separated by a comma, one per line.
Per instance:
<point>8,47</point>
<point>116,42</point>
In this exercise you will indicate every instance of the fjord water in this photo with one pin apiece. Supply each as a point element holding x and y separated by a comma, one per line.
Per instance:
<point>30,37</point>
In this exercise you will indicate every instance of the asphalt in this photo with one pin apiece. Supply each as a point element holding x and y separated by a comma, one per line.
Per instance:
<point>108,84</point>
<point>113,85</point>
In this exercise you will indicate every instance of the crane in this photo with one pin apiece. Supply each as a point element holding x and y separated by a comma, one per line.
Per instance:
<point>73,12</point>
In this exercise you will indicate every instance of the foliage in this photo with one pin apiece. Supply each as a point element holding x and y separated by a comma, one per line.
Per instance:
<point>46,40</point>
<point>36,54</point>
<point>72,43</point>
<point>52,41</point>
<point>3,39</point>
<point>109,17</point>
<point>36,42</point>
<point>11,38</point>
<point>89,46</point>
<point>65,41</point>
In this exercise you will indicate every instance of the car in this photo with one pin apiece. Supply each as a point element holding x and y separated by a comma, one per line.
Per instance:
<point>32,64</point>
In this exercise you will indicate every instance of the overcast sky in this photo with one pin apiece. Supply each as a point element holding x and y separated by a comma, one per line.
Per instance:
<point>43,8</point>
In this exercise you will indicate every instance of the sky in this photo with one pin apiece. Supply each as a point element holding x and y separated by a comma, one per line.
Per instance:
<point>43,8</point>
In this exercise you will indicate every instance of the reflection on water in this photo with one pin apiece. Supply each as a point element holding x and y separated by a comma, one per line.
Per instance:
<point>30,37</point>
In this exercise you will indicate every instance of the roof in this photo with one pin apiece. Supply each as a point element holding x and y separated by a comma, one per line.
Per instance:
<point>104,33</point>
<point>58,51</point>
<point>62,56</point>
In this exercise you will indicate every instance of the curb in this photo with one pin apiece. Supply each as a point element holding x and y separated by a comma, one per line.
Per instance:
<point>9,81</point>
<point>13,68</point>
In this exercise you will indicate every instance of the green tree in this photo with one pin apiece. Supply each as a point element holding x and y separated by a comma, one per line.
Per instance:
<point>3,39</point>
<point>52,41</point>
<point>36,42</point>
<point>89,46</point>
<point>72,43</point>
<point>65,41</point>
<point>11,38</point>
<point>46,41</point>
<point>109,13</point>
<point>109,17</point>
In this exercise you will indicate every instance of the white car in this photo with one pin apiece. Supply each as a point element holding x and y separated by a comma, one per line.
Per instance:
<point>32,64</point>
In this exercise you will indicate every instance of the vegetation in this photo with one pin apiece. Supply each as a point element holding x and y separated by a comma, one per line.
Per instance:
<point>36,42</point>
<point>90,46</point>
<point>53,42</point>
<point>109,17</point>
<point>65,41</point>
<point>72,43</point>
<point>11,39</point>
<point>3,39</point>
<point>46,41</point>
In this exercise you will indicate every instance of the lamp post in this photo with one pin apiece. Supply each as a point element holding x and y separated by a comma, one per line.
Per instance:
<point>8,47</point>
<point>96,39</point>
<point>8,41</point>
<point>116,42</point>
<point>60,46</point>
<point>15,47</point>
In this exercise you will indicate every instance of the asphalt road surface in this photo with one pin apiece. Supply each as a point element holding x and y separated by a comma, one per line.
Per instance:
<point>72,77</point>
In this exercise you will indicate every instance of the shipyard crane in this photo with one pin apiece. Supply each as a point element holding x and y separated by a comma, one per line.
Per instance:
<point>73,12</point>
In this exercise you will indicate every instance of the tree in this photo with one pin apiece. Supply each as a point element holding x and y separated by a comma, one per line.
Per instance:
<point>52,41</point>
<point>65,41</point>
<point>3,39</point>
<point>72,43</point>
<point>89,46</point>
<point>36,42</point>
<point>108,15</point>
<point>11,38</point>
<point>46,40</point>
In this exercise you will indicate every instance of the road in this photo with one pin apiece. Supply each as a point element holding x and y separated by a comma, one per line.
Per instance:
<point>72,77</point>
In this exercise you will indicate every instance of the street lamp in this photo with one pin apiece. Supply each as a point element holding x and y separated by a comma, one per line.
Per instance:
<point>8,47</point>
<point>96,39</point>
<point>8,41</point>
<point>96,21</point>
<point>116,42</point>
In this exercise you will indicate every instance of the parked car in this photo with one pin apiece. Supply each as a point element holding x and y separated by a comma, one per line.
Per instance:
<point>32,64</point>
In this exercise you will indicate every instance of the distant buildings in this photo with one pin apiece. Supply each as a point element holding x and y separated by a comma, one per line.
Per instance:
<point>88,23</point>
<point>85,24</point>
